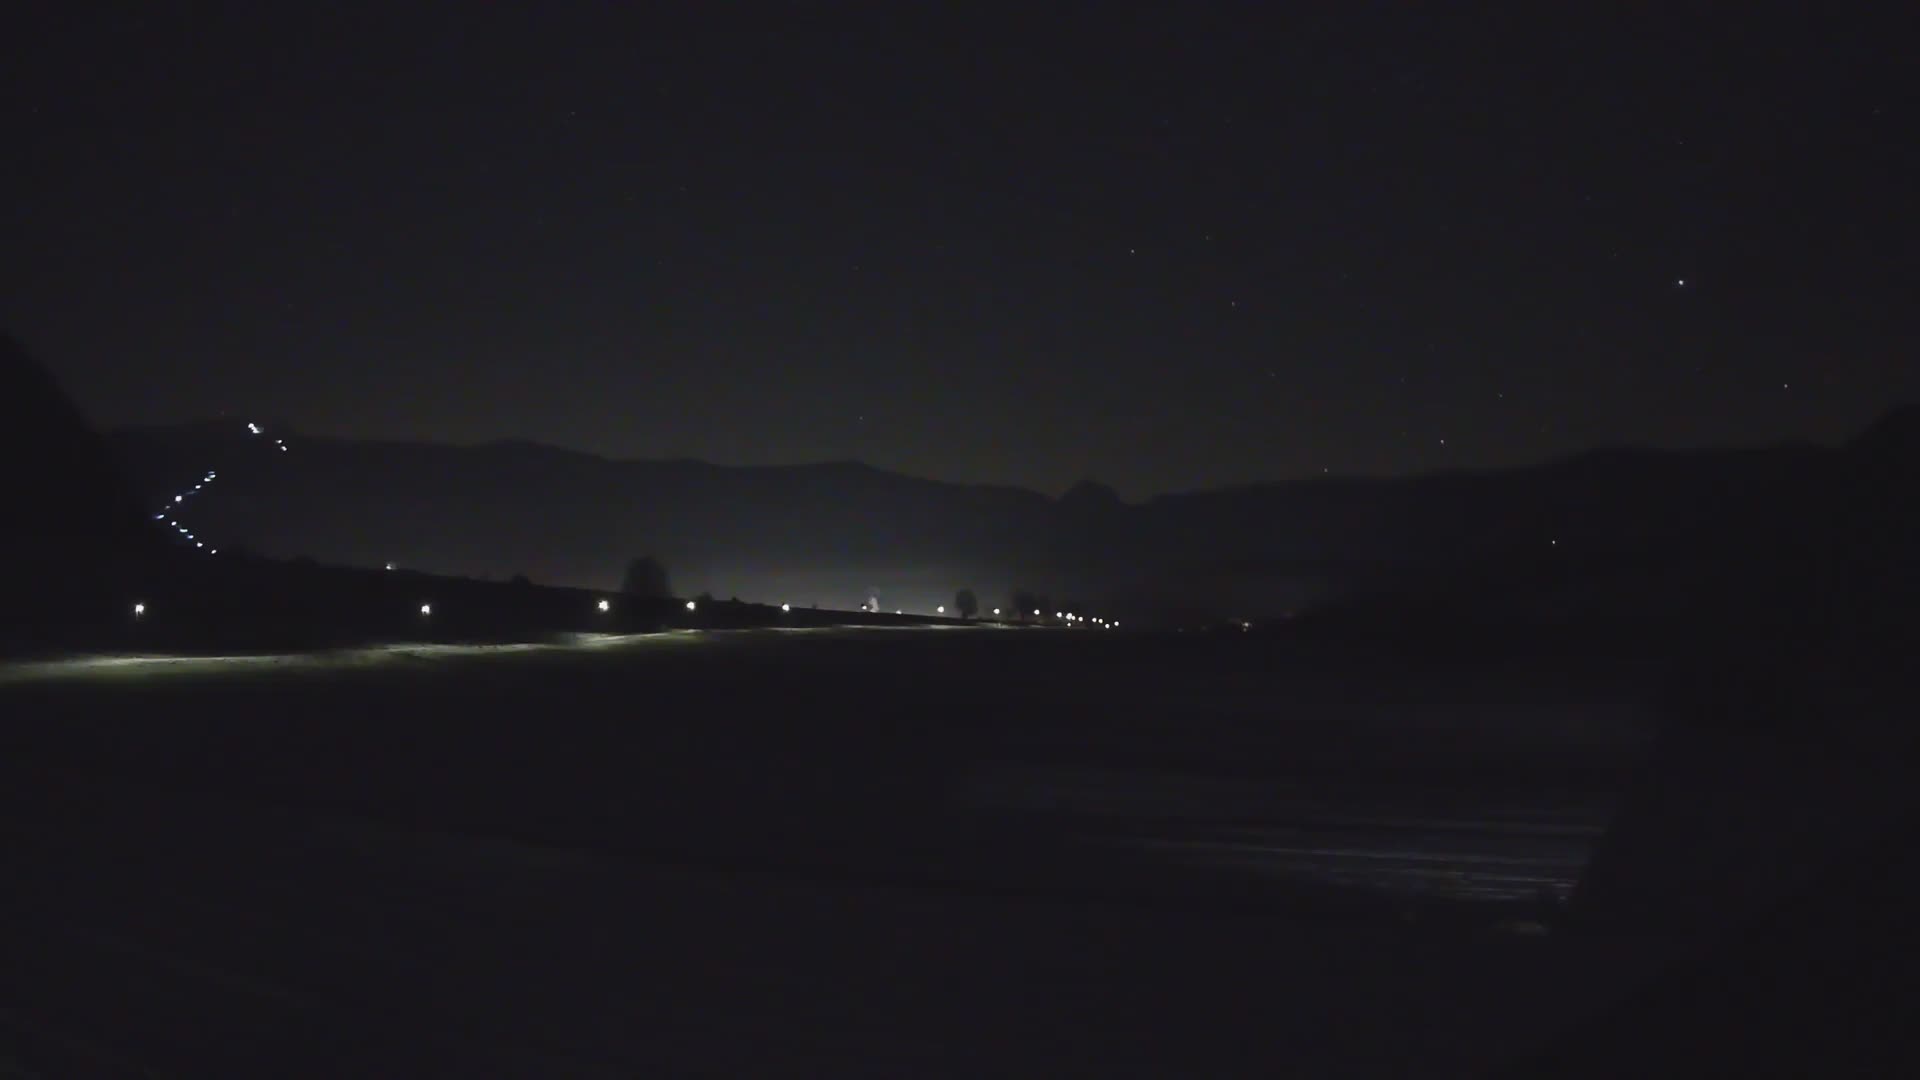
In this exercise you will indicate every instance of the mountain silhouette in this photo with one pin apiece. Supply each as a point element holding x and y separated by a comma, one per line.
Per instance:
<point>814,532</point>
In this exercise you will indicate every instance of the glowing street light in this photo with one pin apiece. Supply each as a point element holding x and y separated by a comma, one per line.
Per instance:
<point>605,606</point>
<point>996,612</point>
<point>253,428</point>
<point>389,566</point>
<point>941,610</point>
<point>139,610</point>
<point>1036,613</point>
<point>426,609</point>
<point>786,607</point>
<point>690,605</point>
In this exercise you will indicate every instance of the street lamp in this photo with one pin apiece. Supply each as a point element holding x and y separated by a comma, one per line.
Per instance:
<point>605,606</point>
<point>690,605</point>
<point>426,609</point>
<point>139,609</point>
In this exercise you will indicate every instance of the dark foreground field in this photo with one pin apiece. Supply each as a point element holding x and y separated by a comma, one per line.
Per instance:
<point>932,852</point>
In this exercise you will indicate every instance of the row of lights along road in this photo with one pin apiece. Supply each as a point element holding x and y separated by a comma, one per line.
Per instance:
<point>604,606</point>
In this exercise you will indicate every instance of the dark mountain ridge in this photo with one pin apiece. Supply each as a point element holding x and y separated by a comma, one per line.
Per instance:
<point>832,532</point>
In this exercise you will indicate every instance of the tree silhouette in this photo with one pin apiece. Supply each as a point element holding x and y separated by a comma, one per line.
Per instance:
<point>966,603</point>
<point>646,577</point>
<point>1024,604</point>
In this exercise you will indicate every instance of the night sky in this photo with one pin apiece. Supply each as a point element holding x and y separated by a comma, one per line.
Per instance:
<point>1168,251</point>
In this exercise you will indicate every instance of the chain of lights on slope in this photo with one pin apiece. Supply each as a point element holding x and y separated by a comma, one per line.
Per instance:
<point>171,511</point>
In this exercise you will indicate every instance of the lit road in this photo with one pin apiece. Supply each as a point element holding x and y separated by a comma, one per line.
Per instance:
<point>136,666</point>
<point>159,665</point>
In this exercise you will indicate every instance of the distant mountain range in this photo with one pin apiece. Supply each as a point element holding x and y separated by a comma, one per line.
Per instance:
<point>838,533</point>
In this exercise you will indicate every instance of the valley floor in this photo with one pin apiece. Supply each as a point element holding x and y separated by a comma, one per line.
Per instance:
<point>899,853</point>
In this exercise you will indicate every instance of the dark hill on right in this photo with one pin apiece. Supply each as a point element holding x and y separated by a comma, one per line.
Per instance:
<point>1770,839</point>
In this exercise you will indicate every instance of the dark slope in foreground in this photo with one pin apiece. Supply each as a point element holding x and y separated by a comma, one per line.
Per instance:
<point>1771,836</point>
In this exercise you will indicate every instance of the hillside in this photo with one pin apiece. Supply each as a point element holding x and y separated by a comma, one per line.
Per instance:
<point>75,530</point>
<point>832,533</point>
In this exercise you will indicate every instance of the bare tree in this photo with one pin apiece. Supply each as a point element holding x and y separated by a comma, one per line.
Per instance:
<point>966,603</point>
